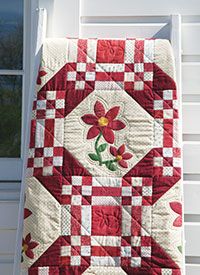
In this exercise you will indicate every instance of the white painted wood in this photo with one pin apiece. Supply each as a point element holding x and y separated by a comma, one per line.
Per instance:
<point>191,74</point>
<point>191,112</point>
<point>191,197</point>
<point>120,30</point>
<point>9,215</point>
<point>39,20</point>
<point>191,38</point>
<point>6,268</point>
<point>191,157</point>
<point>7,241</point>
<point>10,169</point>
<point>192,239</point>
<point>192,269</point>
<point>63,17</point>
<point>143,7</point>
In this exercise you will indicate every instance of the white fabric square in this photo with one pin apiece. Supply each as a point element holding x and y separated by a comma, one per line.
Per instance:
<point>136,241</point>
<point>76,200</point>
<point>138,85</point>
<point>80,85</point>
<point>167,171</point>
<point>137,200</point>
<point>75,260</point>
<point>71,76</point>
<point>146,251</point>
<point>50,113</point>
<point>126,190</point>
<point>31,152</point>
<point>177,162</point>
<point>51,95</point>
<point>168,94</point>
<point>135,261</point>
<point>38,162</point>
<point>57,161</point>
<point>158,104</point>
<point>87,190</point>
<point>90,76</point>
<point>139,67</point>
<point>148,76</point>
<point>67,189</point>
<point>60,103</point>
<point>136,181</point>
<point>125,251</point>
<point>77,180</point>
<point>41,104</point>
<point>158,161</point>
<point>168,113</point>
<point>85,250</point>
<point>65,251</point>
<point>75,240</point>
<point>47,171</point>
<point>81,67</point>
<point>129,76</point>
<point>166,271</point>
<point>146,191</point>
<point>168,152</point>
<point>48,151</point>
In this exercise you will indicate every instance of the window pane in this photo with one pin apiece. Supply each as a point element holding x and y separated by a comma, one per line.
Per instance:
<point>11,34</point>
<point>10,114</point>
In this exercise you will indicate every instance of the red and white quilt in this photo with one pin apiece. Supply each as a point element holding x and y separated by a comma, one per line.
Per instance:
<point>103,188</point>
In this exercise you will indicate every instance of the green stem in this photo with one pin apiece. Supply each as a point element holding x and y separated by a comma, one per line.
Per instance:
<point>96,148</point>
<point>110,160</point>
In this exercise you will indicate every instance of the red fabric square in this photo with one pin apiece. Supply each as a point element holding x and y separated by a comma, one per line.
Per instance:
<point>106,220</point>
<point>110,51</point>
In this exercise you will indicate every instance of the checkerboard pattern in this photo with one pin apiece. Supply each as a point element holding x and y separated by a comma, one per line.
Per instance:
<point>167,161</point>
<point>105,221</point>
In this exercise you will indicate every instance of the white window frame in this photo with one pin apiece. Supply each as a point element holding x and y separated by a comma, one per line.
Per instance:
<point>11,168</point>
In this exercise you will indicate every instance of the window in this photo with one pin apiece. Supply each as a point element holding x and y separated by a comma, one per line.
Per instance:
<point>11,74</point>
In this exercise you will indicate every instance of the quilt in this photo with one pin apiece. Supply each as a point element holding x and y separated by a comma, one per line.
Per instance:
<point>103,183</point>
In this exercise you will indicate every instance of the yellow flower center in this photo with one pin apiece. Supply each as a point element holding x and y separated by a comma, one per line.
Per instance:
<point>25,247</point>
<point>118,157</point>
<point>103,121</point>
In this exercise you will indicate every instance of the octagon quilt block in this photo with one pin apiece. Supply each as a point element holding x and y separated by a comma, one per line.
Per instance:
<point>103,192</point>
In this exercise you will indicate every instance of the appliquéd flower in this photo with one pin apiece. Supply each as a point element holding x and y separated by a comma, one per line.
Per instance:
<point>120,155</point>
<point>41,73</point>
<point>103,122</point>
<point>28,245</point>
<point>27,213</point>
<point>177,208</point>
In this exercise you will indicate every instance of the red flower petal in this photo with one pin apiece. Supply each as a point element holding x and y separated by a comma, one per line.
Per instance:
<point>176,207</point>
<point>28,238</point>
<point>108,135</point>
<point>178,221</point>
<point>127,156</point>
<point>113,151</point>
<point>99,109</point>
<point>117,125</point>
<point>27,213</point>
<point>123,163</point>
<point>121,150</point>
<point>112,113</point>
<point>29,254</point>
<point>39,82</point>
<point>93,132</point>
<point>42,73</point>
<point>32,245</point>
<point>89,119</point>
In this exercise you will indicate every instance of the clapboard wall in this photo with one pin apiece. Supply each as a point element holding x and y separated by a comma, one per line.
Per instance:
<point>63,20</point>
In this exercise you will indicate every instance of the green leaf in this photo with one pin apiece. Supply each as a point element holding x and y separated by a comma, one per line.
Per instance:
<point>180,248</point>
<point>111,166</point>
<point>102,147</point>
<point>93,157</point>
